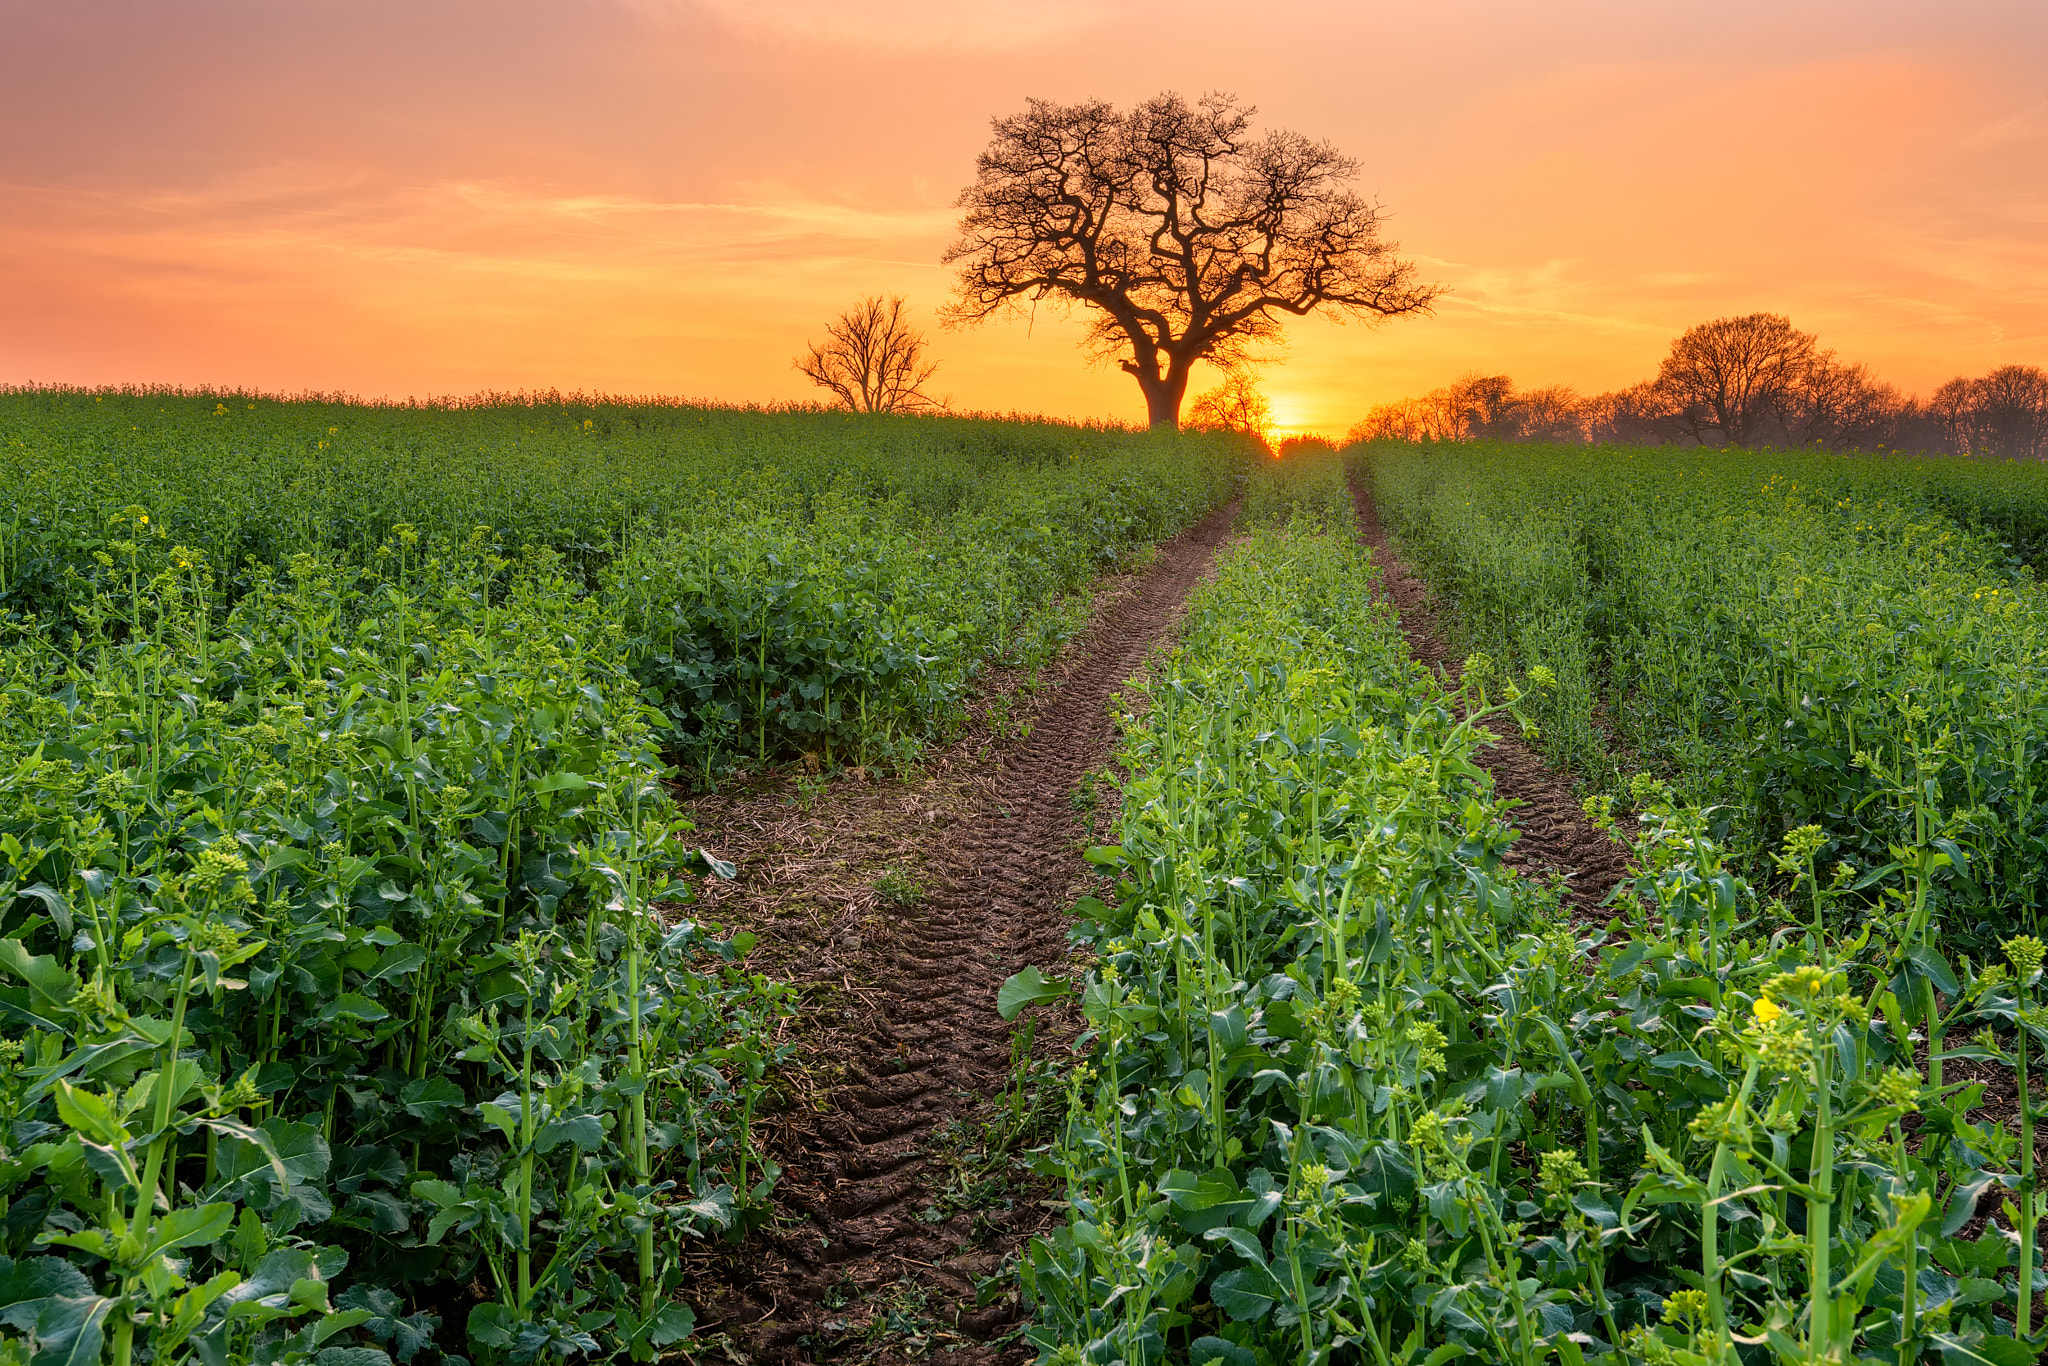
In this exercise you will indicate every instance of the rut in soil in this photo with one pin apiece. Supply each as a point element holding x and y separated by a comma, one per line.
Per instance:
<point>859,1228</point>
<point>1556,836</point>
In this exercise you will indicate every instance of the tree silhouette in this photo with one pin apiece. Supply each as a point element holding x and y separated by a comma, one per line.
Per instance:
<point>1183,235</point>
<point>1235,405</point>
<point>2011,416</point>
<point>872,359</point>
<point>1734,375</point>
<point>1840,405</point>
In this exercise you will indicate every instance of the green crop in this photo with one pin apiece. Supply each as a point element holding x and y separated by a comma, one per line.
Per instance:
<point>1356,1092</point>
<point>789,583</point>
<point>334,943</point>
<point>1796,640</point>
<point>353,1004</point>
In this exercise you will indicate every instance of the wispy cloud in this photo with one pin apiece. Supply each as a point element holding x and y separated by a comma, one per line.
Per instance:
<point>904,26</point>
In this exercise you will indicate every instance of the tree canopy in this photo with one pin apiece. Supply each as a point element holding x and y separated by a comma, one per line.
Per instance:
<point>1182,234</point>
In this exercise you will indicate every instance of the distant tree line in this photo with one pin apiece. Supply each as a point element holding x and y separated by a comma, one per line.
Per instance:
<point>1748,381</point>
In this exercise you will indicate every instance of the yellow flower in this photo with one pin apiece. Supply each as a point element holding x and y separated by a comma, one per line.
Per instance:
<point>1767,1010</point>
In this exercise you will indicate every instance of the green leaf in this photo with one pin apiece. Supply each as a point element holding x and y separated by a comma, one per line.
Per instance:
<point>28,1282</point>
<point>54,983</point>
<point>491,1325</point>
<point>353,1006</point>
<point>189,1226</point>
<point>1028,988</point>
<point>90,1115</point>
<point>1929,961</point>
<point>1246,1293</point>
<point>397,961</point>
<point>266,1293</point>
<point>1962,1202</point>
<point>560,782</point>
<point>585,1131</point>
<point>430,1097</point>
<point>70,1330</point>
<point>1203,1351</point>
<point>339,1321</point>
<point>309,1292</point>
<point>500,1118</point>
<point>54,902</point>
<point>674,1323</point>
<point>1979,1349</point>
<point>351,1356</point>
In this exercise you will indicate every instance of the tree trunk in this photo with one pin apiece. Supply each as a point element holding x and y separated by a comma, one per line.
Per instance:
<point>1163,399</point>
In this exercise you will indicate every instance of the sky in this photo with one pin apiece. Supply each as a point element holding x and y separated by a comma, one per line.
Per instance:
<point>399,198</point>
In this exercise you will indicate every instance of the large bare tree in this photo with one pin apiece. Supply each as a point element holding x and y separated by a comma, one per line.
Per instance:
<point>1736,375</point>
<point>1183,235</point>
<point>873,359</point>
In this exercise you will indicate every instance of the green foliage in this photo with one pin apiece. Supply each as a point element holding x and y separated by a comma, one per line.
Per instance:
<point>1799,640</point>
<point>790,583</point>
<point>332,944</point>
<point>1306,482</point>
<point>1358,1093</point>
<point>353,1007</point>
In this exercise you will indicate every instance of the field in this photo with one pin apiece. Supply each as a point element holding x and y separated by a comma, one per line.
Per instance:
<point>1083,950</point>
<point>351,985</point>
<point>1361,1093</point>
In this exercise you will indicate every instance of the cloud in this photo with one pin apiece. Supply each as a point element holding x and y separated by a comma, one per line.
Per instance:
<point>894,26</point>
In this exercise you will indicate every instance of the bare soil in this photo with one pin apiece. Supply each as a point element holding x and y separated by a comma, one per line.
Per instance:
<point>1557,839</point>
<point>899,908</point>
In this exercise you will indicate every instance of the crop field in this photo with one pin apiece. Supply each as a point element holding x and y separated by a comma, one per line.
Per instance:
<point>1356,1092</point>
<point>360,1006</point>
<point>349,978</point>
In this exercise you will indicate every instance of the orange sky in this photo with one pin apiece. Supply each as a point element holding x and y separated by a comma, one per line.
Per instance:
<point>397,197</point>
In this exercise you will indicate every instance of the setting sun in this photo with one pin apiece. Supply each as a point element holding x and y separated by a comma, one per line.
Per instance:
<point>672,198</point>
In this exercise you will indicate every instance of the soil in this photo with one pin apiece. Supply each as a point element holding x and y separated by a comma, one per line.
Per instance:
<point>1557,839</point>
<point>899,908</point>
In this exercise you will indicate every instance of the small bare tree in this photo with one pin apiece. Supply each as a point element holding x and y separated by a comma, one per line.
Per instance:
<point>1554,413</point>
<point>2012,411</point>
<point>873,360</point>
<point>1235,405</point>
<point>1840,405</point>
<point>1184,236</point>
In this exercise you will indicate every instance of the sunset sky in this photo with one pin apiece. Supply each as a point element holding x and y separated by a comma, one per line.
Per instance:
<point>670,196</point>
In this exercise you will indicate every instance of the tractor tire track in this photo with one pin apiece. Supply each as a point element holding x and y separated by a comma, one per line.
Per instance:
<point>862,1235</point>
<point>1556,836</point>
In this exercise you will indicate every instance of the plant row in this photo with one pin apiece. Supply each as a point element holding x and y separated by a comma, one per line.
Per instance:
<point>787,584</point>
<point>1787,648</point>
<point>341,1013</point>
<point>1355,1092</point>
<point>353,1005</point>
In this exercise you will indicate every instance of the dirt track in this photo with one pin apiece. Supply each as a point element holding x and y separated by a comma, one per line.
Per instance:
<point>1556,836</point>
<point>868,1256</point>
<point>884,1238</point>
